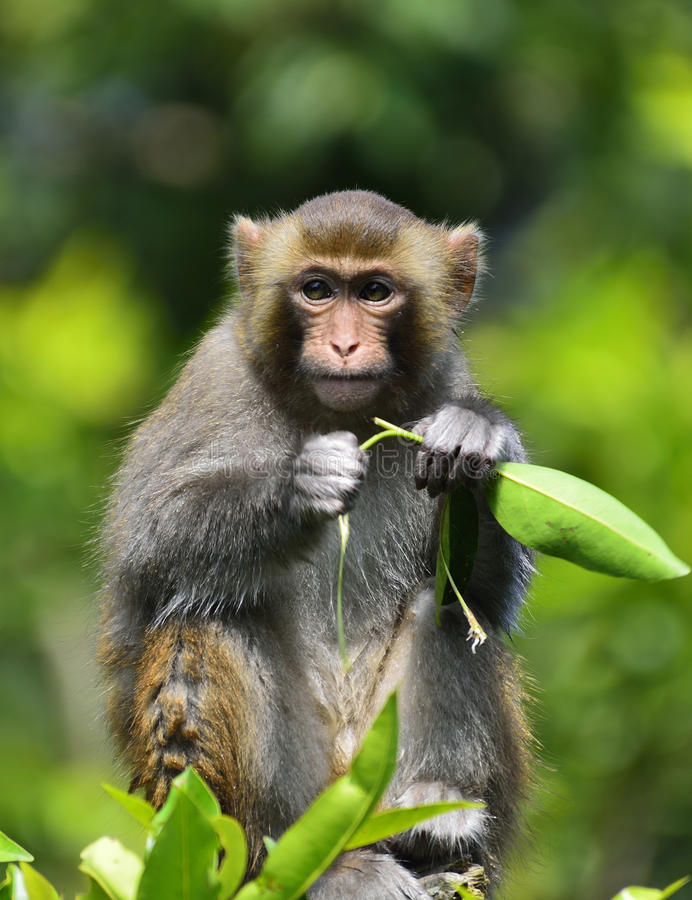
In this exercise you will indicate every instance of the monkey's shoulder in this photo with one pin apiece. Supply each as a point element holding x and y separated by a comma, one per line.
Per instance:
<point>217,403</point>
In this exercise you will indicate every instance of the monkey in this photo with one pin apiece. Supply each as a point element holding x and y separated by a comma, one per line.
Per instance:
<point>218,640</point>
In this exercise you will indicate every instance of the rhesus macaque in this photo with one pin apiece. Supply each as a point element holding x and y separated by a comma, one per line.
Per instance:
<point>219,634</point>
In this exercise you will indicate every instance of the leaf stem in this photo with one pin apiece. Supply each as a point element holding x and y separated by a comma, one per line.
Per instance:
<point>344,531</point>
<point>476,634</point>
<point>399,432</point>
<point>389,430</point>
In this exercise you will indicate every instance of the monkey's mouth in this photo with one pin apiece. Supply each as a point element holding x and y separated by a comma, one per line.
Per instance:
<point>346,392</point>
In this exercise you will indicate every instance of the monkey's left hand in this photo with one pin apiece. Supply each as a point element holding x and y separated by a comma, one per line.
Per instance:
<point>462,445</point>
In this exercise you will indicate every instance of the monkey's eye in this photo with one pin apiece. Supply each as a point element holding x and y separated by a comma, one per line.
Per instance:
<point>316,290</point>
<point>375,292</point>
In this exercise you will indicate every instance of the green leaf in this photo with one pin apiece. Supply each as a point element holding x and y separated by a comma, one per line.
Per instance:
<point>28,884</point>
<point>234,864</point>
<point>443,553</point>
<point>393,821</point>
<point>195,789</point>
<point>6,888</point>
<point>643,893</point>
<point>11,852</point>
<point>310,846</point>
<point>465,893</point>
<point>96,892</point>
<point>458,542</point>
<point>137,807</point>
<point>113,867</point>
<point>564,516</point>
<point>181,861</point>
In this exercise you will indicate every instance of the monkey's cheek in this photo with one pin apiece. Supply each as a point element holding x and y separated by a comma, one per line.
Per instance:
<point>346,394</point>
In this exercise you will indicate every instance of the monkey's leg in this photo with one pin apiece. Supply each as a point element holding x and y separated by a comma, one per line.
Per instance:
<point>215,697</point>
<point>367,875</point>
<point>462,736</point>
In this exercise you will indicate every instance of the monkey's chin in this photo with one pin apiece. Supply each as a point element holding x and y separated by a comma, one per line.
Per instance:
<point>346,394</point>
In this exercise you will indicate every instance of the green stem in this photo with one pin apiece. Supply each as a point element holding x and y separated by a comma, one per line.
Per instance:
<point>344,532</point>
<point>476,633</point>
<point>399,432</point>
<point>389,430</point>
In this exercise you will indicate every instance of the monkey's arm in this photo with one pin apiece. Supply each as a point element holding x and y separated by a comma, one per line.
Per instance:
<point>463,441</point>
<point>192,537</point>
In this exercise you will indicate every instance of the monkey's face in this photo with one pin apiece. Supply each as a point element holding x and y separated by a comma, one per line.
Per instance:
<point>347,313</point>
<point>350,297</point>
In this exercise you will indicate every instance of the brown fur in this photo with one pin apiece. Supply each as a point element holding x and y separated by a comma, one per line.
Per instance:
<point>193,705</point>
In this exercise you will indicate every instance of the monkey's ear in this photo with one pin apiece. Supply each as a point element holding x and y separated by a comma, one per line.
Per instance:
<point>464,243</point>
<point>245,236</point>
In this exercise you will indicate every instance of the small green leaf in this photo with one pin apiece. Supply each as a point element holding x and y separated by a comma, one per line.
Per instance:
<point>644,893</point>
<point>443,553</point>
<point>310,846</point>
<point>28,884</point>
<point>113,867</point>
<point>269,843</point>
<point>382,825</point>
<point>465,893</point>
<point>564,516</point>
<point>461,540</point>
<point>181,861</point>
<point>674,887</point>
<point>232,870</point>
<point>458,539</point>
<point>96,892</point>
<point>11,852</point>
<point>137,807</point>
<point>196,790</point>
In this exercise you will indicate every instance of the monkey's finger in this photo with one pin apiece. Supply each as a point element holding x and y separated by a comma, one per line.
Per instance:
<point>476,437</point>
<point>438,473</point>
<point>421,427</point>
<point>423,461</point>
<point>469,468</point>
<point>496,447</point>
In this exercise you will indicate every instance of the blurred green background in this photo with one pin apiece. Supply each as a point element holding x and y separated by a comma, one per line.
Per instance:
<point>130,132</point>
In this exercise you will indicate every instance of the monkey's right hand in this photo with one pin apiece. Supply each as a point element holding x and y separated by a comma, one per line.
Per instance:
<point>328,473</point>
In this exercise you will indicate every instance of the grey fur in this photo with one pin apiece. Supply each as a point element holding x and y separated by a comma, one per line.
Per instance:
<point>365,875</point>
<point>224,511</point>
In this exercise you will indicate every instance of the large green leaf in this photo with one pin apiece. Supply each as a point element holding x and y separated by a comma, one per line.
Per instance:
<point>643,893</point>
<point>564,516</point>
<point>382,825</point>
<point>310,846</point>
<point>28,884</point>
<point>113,867</point>
<point>137,807</point>
<point>11,852</point>
<point>181,860</point>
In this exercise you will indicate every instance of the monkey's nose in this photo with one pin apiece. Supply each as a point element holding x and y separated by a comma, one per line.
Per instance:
<point>344,348</point>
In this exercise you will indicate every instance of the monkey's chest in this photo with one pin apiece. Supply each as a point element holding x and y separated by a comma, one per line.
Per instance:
<point>387,554</point>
